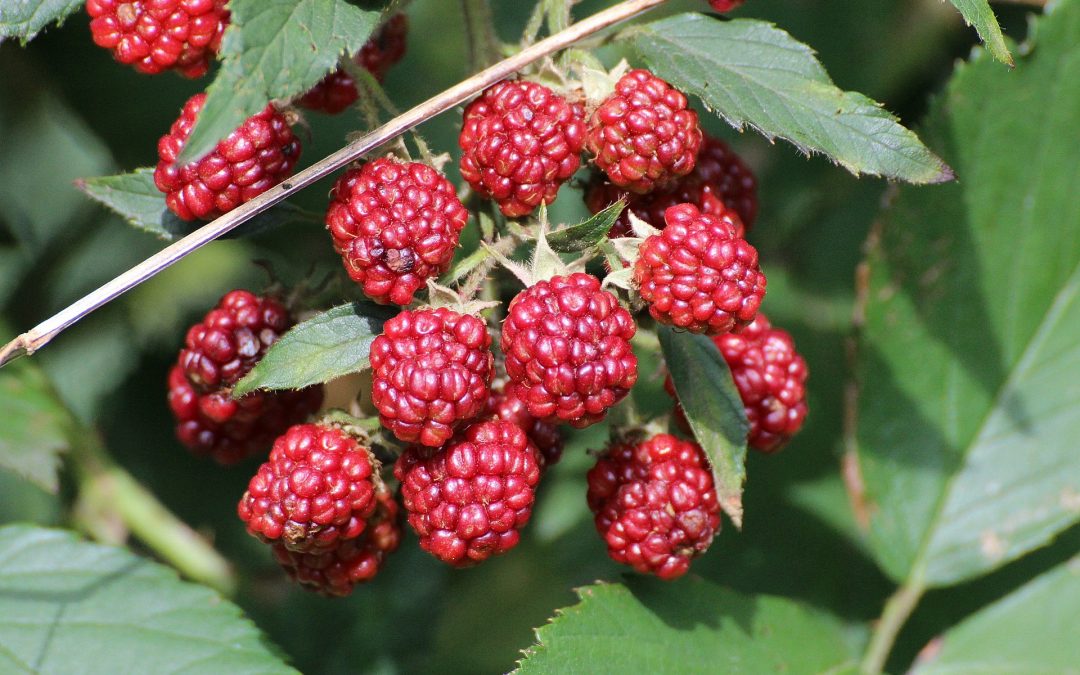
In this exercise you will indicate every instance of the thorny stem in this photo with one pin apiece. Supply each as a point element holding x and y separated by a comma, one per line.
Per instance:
<point>43,333</point>
<point>897,610</point>
<point>107,490</point>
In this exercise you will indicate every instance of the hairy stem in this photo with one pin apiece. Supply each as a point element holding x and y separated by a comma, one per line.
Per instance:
<point>897,610</point>
<point>43,333</point>
<point>109,493</point>
<point>480,30</point>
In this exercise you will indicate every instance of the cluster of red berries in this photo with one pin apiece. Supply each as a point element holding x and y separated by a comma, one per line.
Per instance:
<point>475,433</point>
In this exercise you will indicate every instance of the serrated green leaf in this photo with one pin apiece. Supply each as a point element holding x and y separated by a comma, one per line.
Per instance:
<point>752,73</point>
<point>33,425</point>
<point>970,366</point>
<point>587,233</point>
<point>977,13</point>
<point>24,19</point>
<point>714,409</point>
<point>135,197</point>
<point>1031,631</point>
<point>68,606</point>
<point>330,345</point>
<point>274,49</point>
<point>686,626</point>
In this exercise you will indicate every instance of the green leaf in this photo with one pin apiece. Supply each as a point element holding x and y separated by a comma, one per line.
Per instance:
<point>587,233</point>
<point>1028,632</point>
<point>977,13</point>
<point>33,425</point>
<point>686,626</point>
<point>24,19</point>
<point>135,197</point>
<point>752,73</point>
<point>330,345</point>
<point>969,365</point>
<point>274,49</point>
<point>67,606</point>
<point>714,409</point>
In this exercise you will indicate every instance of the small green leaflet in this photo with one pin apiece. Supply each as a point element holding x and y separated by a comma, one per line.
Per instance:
<point>24,19</point>
<point>752,73</point>
<point>587,233</point>
<point>274,49</point>
<point>330,345</point>
<point>67,606</point>
<point>713,408</point>
<point>135,197</point>
<point>977,13</point>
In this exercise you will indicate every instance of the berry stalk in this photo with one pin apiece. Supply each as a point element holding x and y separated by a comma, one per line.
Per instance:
<point>107,491</point>
<point>43,333</point>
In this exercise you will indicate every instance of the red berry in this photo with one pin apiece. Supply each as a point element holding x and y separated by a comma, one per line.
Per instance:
<point>351,561</point>
<point>544,435</point>
<point>248,162</point>
<point>468,500</point>
<point>771,378</point>
<point>655,504</point>
<point>218,351</point>
<point>396,225</point>
<point>720,182</point>
<point>316,490</point>
<point>337,90</point>
<point>520,141</point>
<point>724,5</point>
<point>567,346</point>
<point>643,136</point>
<point>431,369</point>
<point>698,274</point>
<point>156,35</point>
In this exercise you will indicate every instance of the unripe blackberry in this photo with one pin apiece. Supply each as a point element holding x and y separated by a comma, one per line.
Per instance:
<point>338,570</point>
<point>218,351</point>
<point>771,378</point>
<point>337,91</point>
<point>431,369</point>
<point>248,162</point>
<point>567,346</point>
<point>719,183</point>
<point>544,435</point>
<point>644,136</point>
<point>698,274</point>
<point>655,504</point>
<point>468,500</point>
<point>520,141</point>
<point>316,490</point>
<point>157,35</point>
<point>395,225</point>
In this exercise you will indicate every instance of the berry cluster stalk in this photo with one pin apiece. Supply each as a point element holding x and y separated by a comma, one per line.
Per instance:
<point>43,333</point>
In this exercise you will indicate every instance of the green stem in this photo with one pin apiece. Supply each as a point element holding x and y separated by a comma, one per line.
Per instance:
<point>480,31</point>
<point>897,610</point>
<point>105,488</point>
